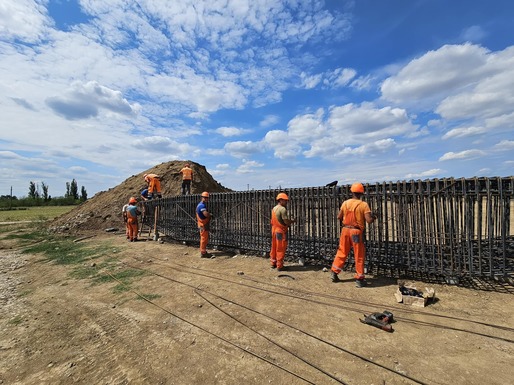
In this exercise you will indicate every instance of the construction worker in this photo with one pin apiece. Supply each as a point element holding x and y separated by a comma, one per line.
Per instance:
<point>125,219</point>
<point>203,218</point>
<point>280,222</point>
<point>353,215</point>
<point>133,225</point>
<point>154,185</point>
<point>144,194</point>
<point>187,179</point>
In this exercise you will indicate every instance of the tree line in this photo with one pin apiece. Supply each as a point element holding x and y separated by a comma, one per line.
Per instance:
<point>38,196</point>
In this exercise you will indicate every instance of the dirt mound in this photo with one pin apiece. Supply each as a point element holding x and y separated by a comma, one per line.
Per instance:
<point>103,210</point>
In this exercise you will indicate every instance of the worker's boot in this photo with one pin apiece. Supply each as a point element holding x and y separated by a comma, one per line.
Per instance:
<point>334,277</point>
<point>360,283</point>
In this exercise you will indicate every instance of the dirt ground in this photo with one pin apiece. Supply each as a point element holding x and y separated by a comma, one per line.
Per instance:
<point>233,320</point>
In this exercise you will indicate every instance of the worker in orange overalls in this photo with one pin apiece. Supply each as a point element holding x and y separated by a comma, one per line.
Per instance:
<point>353,215</point>
<point>133,225</point>
<point>187,179</point>
<point>154,185</point>
<point>280,222</point>
<point>203,218</point>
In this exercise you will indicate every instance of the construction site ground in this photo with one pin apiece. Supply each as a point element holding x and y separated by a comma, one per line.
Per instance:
<point>233,320</point>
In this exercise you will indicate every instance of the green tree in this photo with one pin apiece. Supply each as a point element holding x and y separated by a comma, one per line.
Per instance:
<point>33,193</point>
<point>74,189</point>
<point>68,193</point>
<point>44,188</point>
<point>83,194</point>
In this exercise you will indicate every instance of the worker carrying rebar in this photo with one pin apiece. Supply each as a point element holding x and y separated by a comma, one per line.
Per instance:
<point>280,222</point>
<point>187,179</point>
<point>154,185</point>
<point>203,217</point>
<point>353,215</point>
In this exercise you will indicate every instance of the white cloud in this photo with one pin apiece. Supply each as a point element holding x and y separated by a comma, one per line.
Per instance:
<point>231,131</point>
<point>448,70</point>
<point>26,20</point>
<point>269,121</point>
<point>84,100</point>
<point>462,155</point>
<point>310,81</point>
<point>282,146</point>
<point>242,149</point>
<point>340,77</point>
<point>425,174</point>
<point>504,145</point>
<point>462,132</point>
<point>248,166</point>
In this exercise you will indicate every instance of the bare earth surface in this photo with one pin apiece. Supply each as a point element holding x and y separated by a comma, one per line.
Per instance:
<point>233,320</point>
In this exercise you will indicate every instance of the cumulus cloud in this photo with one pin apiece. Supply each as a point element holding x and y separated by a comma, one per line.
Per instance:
<point>26,20</point>
<point>248,166</point>
<point>462,155</point>
<point>269,120</point>
<point>231,131</point>
<point>448,70</point>
<point>161,144</point>
<point>84,100</point>
<point>504,145</point>
<point>461,132</point>
<point>425,174</point>
<point>243,149</point>
<point>281,144</point>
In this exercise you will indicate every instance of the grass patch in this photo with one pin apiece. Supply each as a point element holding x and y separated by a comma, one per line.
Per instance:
<point>16,320</point>
<point>124,279</point>
<point>66,252</point>
<point>39,213</point>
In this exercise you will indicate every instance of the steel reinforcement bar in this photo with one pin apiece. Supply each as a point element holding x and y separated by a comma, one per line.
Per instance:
<point>445,228</point>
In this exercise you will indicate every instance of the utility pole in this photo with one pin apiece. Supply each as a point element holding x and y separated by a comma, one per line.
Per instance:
<point>10,200</point>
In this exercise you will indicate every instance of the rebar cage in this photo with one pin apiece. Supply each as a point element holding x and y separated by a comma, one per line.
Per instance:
<point>441,227</point>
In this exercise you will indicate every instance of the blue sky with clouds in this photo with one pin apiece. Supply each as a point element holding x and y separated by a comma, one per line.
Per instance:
<point>264,93</point>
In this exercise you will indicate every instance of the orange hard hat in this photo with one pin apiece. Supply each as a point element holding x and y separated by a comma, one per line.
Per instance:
<point>282,196</point>
<point>132,200</point>
<point>205,194</point>
<point>357,188</point>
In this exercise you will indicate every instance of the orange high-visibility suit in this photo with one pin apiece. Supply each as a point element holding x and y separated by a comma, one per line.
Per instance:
<point>354,211</point>
<point>203,226</point>
<point>187,179</point>
<point>154,185</point>
<point>278,239</point>
<point>132,223</point>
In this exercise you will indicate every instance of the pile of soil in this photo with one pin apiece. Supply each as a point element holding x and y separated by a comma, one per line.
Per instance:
<point>103,210</point>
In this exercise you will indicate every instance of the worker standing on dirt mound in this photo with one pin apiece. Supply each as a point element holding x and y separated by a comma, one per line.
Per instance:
<point>204,218</point>
<point>154,185</point>
<point>353,215</point>
<point>280,222</point>
<point>187,179</point>
<point>132,213</point>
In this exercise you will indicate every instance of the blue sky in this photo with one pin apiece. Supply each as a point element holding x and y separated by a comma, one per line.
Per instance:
<point>264,93</point>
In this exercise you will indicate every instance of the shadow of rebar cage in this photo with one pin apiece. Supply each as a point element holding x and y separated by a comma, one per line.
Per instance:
<point>448,228</point>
